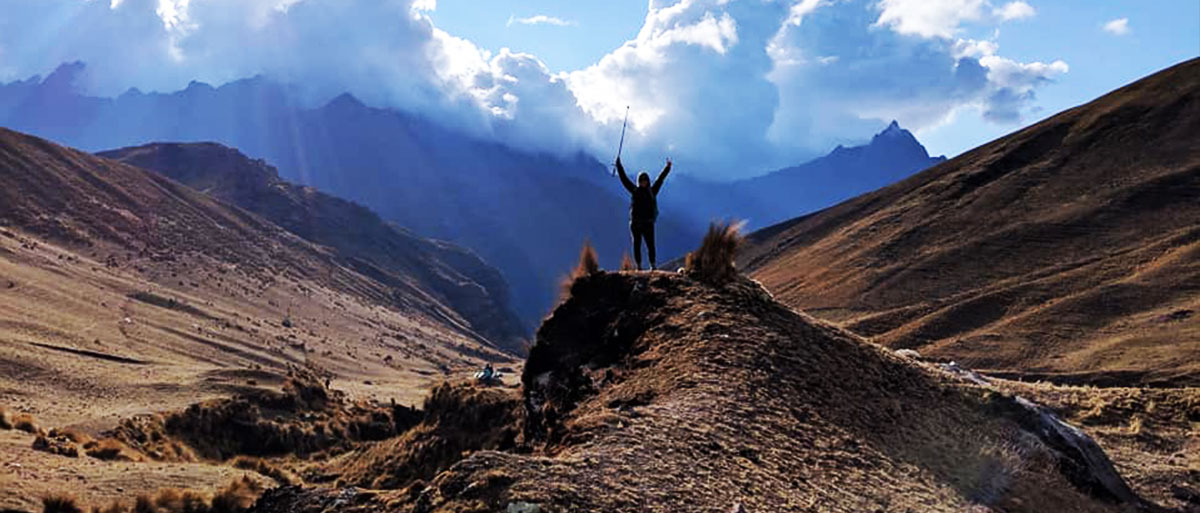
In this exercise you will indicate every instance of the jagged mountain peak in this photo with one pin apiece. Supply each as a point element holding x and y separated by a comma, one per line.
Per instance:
<point>64,78</point>
<point>345,101</point>
<point>897,137</point>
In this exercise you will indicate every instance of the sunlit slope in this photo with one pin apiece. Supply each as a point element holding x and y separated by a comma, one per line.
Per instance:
<point>1069,249</point>
<point>123,291</point>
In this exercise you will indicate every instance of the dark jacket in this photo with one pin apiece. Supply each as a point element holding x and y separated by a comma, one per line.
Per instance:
<point>643,206</point>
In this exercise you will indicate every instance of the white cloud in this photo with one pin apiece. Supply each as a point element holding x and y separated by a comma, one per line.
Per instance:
<point>1014,83</point>
<point>1014,11</point>
<point>695,81</point>
<point>928,18</point>
<point>1117,27</point>
<point>727,86</point>
<point>539,19</point>
<point>919,77</point>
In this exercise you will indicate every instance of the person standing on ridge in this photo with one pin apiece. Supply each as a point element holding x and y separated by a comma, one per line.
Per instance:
<point>643,210</point>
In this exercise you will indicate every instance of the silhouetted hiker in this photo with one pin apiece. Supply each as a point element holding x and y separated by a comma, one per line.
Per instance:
<point>643,210</point>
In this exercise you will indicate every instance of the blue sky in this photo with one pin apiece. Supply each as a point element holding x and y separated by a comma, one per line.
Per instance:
<point>729,88</point>
<point>1160,33</point>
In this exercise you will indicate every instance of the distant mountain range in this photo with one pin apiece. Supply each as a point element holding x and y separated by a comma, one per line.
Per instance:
<point>1069,250</point>
<point>166,273</point>
<point>890,156</point>
<point>525,213</point>
<point>391,255</point>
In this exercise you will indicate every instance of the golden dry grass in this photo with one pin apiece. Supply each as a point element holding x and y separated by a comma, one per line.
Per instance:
<point>1064,251</point>
<point>1152,435</point>
<point>588,265</point>
<point>262,466</point>
<point>60,504</point>
<point>72,434</point>
<point>627,262</point>
<point>111,449</point>
<point>236,497</point>
<point>655,392</point>
<point>25,422</point>
<point>714,261</point>
<point>459,418</point>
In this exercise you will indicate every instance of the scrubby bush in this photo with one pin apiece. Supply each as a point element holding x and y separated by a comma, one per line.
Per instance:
<point>110,449</point>
<point>627,262</point>
<point>588,263</point>
<point>266,468</point>
<point>71,434</point>
<point>713,261</point>
<point>304,418</point>
<point>173,500</point>
<point>56,445</point>
<point>115,507</point>
<point>459,419</point>
<point>25,422</point>
<point>60,504</point>
<point>587,266</point>
<point>237,497</point>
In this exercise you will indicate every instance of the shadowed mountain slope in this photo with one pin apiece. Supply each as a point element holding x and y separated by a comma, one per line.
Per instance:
<point>121,289</point>
<point>453,276</point>
<point>657,392</point>
<point>1069,250</point>
<point>524,213</point>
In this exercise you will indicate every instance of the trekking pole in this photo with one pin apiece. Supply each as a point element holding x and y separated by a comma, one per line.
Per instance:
<point>622,144</point>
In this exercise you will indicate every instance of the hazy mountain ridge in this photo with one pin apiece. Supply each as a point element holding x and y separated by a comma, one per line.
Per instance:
<point>524,213</point>
<point>890,156</point>
<point>1067,250</point>
<point>363,241</point>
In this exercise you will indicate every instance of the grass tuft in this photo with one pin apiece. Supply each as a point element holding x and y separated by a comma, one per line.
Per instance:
<point>60,504</point>
<point>237,497</point>
<point>25,422</point>
<point>56,445</point>
<point>110,449</point>
<point>588,265</point>
<point>266,468</point>
<point>627,262</point>
<point>713,261</point>
<point>114,507</point>
<point>71,434</point>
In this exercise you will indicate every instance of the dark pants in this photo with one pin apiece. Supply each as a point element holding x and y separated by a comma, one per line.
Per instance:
<point>643,230</point>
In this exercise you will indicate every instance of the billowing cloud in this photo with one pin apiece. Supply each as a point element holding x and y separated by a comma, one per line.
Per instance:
<point>929,18</point>
<point>1014,11</point>
<point>539,19</point>
<point>728,87</point>
<point>695,82</point>
<point>1117,27</point>
<point>748,86</point>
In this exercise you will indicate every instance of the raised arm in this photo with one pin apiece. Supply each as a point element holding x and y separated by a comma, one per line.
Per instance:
<point>662,177</point>
<point>625,178</point>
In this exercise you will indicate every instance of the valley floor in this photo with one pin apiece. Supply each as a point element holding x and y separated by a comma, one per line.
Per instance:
<point>91,336</point>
